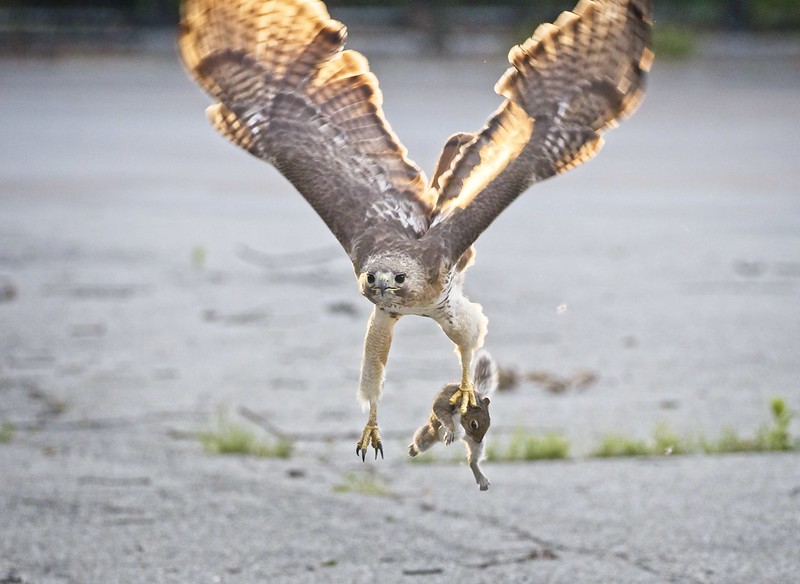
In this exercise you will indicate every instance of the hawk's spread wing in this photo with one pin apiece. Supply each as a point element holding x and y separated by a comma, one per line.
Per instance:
<point>289,95</point>
<point>568,83</point>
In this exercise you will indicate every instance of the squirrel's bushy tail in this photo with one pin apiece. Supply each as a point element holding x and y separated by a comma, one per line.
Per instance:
<point>485,375</point>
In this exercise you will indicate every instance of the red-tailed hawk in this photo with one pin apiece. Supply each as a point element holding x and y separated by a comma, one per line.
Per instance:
<point>289,94</point>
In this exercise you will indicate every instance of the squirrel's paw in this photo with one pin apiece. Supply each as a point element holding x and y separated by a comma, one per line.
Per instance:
<point>412,450</point>
<point>448,437</point>
<point>483,484</point>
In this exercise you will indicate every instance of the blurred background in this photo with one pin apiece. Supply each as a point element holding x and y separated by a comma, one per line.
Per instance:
<point>41,25</point>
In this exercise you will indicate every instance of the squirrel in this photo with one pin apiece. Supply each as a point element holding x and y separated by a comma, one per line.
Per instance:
<point>445,418</point>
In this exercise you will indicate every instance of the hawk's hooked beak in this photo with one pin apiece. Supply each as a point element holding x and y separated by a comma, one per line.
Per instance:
<point>383,284</point>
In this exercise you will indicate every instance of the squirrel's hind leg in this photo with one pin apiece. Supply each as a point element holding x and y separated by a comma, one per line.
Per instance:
<point>423,439</point>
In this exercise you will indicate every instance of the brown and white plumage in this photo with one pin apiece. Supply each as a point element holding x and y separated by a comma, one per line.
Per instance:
<point>288,93</point>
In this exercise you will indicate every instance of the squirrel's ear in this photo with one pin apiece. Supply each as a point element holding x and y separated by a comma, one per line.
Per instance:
<point>486,401</point>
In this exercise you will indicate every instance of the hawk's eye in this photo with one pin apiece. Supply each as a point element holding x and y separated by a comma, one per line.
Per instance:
<point>370,278</point>
<point>400,278</point>
<point>474,424</point>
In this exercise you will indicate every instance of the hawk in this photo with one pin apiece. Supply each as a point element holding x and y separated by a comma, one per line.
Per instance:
<point>288,93</point>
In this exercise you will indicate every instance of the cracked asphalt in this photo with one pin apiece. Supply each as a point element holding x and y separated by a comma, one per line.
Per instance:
<point>152,275</point>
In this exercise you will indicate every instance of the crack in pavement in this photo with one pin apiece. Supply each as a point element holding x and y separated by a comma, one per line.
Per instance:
<point>549,550</point>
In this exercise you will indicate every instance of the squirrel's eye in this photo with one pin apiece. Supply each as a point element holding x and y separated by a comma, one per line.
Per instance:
<point>474,424</point>
<point>400,278</point>
<point>370,278</point>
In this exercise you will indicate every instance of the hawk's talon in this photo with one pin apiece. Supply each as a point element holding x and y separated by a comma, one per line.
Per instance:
<point>466,394</point>
<point>370,436</point>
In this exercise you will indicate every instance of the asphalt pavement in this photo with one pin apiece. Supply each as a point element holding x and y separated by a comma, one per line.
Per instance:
<point>153,276</point>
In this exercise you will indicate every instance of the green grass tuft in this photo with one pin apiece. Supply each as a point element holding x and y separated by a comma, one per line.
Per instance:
<point>775,436</point>
<point>363,484</point>
<point>665,441</point>
<point>199,256</point>
<point>522,445</point>
<point>772,436</point>
<point>619,445</point>
<point>229,437</point>
<point>525,446</point>
<point>7,432</point>
<point>728,442</point>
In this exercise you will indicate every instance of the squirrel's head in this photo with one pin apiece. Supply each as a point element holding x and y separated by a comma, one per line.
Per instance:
<point>476,421</point>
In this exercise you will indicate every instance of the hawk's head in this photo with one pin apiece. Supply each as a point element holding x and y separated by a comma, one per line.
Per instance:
<point>392,280</point>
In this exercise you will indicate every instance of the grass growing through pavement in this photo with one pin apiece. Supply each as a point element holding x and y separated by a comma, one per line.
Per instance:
<point>621,445</point>
<point>772,436</point>
<point>7,431</point>
<point>521,446</point>
<point>363,484</point>
<point>229,437</point>
<point>526,446</point>
<point>664,441</point>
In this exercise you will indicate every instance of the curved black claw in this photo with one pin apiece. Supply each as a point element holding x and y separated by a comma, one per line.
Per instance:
<point>361,450</point>
<point>370,436</point>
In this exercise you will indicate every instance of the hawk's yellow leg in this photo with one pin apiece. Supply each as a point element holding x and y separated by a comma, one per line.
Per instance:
<point>370,435</point>
<point>376,351</point>
<point>465,392</point>
<point>465,325</point>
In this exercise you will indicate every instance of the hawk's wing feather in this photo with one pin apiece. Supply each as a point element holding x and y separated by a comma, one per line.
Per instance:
<point>452,148</point>
<point>568,83</point>
<point>290,95</point>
